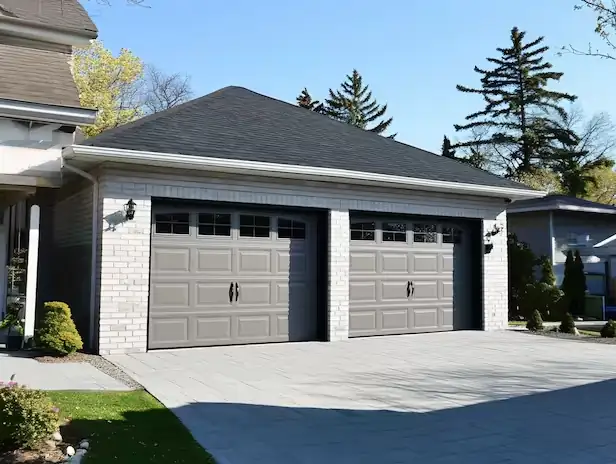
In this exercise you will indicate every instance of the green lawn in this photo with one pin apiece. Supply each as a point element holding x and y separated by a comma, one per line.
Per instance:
<point>127,427</point>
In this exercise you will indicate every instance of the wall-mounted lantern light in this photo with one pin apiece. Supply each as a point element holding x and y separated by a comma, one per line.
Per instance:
<point>488,246</point>
<point>129,209</point>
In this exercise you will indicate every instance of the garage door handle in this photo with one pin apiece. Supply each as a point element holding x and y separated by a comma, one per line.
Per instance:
<point>237,291</point>
<point>231,292</point>
<point>410,289</point>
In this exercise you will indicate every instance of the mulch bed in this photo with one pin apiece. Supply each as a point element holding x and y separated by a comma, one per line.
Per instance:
<point>44,455</point>
<point>577,338</point>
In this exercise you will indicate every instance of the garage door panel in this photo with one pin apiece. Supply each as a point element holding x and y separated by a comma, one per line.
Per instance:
<point>425,318</point>
<point>171,259</point>
<point>218,261</point>
<point>363,262</point>
<point>395,262</point>
<point>447,263</point>
<point>395,319</point>
<point>363,321</point>
<point>251,261</point>
<point>425,290</point>
<point>164,295</point>
<point>447,316</point>
<point>447,290</point>
<point>394,290</point>
<point>193,271</point>
<point>425,263</point>
<point>363,292</point>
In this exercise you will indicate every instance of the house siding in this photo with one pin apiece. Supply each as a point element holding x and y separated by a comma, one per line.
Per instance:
<point>597,226</point>
<point>125,249</point>
<point>70,222</point>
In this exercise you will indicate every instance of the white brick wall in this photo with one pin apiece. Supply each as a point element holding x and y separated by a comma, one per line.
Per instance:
<point>125,251</point>
<point>339,261</point>
<point>495,276</point>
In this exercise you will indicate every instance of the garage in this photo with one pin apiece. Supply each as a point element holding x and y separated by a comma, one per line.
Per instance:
<point>222,275</point>
<point>409,275</point>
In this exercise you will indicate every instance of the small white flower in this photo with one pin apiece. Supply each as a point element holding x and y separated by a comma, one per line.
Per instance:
<point>70,451</point>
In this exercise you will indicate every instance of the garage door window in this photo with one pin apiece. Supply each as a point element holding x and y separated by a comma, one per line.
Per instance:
<point>394,232</point>
<point>254,226</point>
<point>424,233</point>
<point>362,230</point>
<point>175,223</point>
<point>215,224</point>
<point>452,235</point>
<point>289,228</point>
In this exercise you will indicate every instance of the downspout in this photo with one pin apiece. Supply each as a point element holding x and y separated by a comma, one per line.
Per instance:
<point>94,254</point>
<point>552,239</point>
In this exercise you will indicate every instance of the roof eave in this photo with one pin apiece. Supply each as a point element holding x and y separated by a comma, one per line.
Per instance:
<point>29,111</point>
<point>256,168</point>
<point>559,207</point>
<point>46,33</point>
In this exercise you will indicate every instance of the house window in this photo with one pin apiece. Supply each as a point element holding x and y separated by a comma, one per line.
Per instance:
<point>173,223</point>
<point>452,235</point>
<point>254,226</point>
<point>362,230</point>
<point>290,228</point>
<point>215,224</point>
<point>424,233</point>
<point>394,232</point>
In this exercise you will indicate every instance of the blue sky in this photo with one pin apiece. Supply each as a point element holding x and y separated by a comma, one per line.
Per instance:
<point>412,53</point>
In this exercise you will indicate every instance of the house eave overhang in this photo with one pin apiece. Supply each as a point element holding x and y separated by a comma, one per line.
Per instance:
<point>97,155</point>
<point>39,112</point>
<point>573,208</point>
<point>45,33</point>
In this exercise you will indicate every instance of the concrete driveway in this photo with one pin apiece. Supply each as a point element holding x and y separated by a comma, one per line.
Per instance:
<point>462,397</point>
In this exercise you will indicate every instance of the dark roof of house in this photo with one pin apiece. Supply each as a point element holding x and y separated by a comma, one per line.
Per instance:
<point>37,76</point>
<point>560,202</point>
<point>63,14</point>
<point>236,123</point>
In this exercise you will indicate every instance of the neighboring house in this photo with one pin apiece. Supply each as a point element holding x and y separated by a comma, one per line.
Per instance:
<point>556,223</point>
<point>237,218</point>
<point>39,111</point>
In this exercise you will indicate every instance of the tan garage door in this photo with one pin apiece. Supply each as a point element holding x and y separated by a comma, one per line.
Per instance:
<point>223,276</point>
<point>402,276</point>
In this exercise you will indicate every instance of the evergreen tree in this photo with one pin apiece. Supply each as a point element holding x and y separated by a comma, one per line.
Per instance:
<point>447,150</point>
<point>547,271</point>
<point>353,103</point>
<point>518,104</point>
<point>568,285</point>
<point>580,285</point>
<point>304,99</point>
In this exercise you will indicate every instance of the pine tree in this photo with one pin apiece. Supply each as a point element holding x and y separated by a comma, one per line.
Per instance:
<point>568,285</point>
<point>304,99</point>
<point>353,103</point>
<point>447,150</point>
<point>518,105</point>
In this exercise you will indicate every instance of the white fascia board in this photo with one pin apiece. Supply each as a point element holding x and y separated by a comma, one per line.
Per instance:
<point>288,171</point>
<point>28,111</point>
<point>20,28</point>
<point>578,209</point>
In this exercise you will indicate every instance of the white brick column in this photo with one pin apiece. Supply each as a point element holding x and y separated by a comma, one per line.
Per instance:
<point>125,273</point>
<point>495,276</point>
<point>339,260</point>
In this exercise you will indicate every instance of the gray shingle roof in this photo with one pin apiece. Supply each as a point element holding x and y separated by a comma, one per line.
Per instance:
<point>64,14</point>
<point>236,123</point>
<point>554,202</point>
<point>37,76</point>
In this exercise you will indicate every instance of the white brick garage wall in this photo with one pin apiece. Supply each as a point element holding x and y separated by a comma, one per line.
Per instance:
<point>125,250</point>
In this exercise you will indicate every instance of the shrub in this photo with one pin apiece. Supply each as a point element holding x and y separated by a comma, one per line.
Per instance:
<point>568,324</point>
<point>535,323</point>
<point>58,333</point>
<point>544,297</point>
<point>27,417</point>
<point>609,329</point>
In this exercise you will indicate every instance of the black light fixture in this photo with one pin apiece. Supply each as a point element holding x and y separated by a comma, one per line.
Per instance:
<point>129,209</point>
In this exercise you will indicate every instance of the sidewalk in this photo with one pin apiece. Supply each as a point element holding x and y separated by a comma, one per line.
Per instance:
<point>56,376</point>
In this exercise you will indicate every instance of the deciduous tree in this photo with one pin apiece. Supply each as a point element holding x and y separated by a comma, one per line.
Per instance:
<point>605,27</point>
<point>110,84</point>
<point>162,91</point>
<point>517,99</point>
<point>354,104</point>
<point>604,188</point>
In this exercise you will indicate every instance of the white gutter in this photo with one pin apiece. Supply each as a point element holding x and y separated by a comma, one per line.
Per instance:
<point>288,171</point>
<point>94,255</point>
<point>21,28</point>
<point>579,209</point>
<point>605,242</point>
<point>46,113</point>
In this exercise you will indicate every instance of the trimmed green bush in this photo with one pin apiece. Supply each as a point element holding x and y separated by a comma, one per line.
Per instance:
<point>535,323</point>
<point>609,329</point>
<point>58,334</point>
<point>27,417</point>
<point>568,324</point>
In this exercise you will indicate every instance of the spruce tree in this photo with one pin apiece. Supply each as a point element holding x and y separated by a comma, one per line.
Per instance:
<point>304,99</point>
<point>353,103</point>
<point>447,149</point>
<point>518,106</point>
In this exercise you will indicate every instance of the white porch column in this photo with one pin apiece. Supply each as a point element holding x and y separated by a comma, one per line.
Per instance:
<point>32,272</point>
